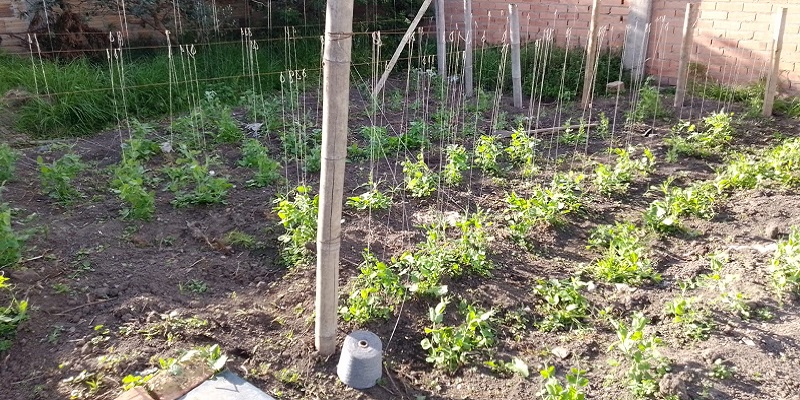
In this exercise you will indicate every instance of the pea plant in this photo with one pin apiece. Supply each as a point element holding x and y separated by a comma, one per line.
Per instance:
<point>613,181</point>
<point>688,140</point>
<point>298,216</point>
<point>372,199</point>
<point>12,315</point>
<point>193,182</point>
<point>457,163</point>
<point>521,151</point>
<point>690,315</point>
<point>375,292</point>
<point>624,258</point>
<point>10,241</point>
<point>640,351</point>
<point>420,181</point>
<point>785,265</point>
<point>570,135</point>
<point>138,147</point>
<point>129,183</point>
<point>562,306</point>
<point>450,347</point>
<point>648,105</point>
<point>554,389</point>
<point>58,177</point>
<point>256,156</point>
<point>8,160</point>
<point>695,200</point>
<point>545,205</point>
<point>487,153</point>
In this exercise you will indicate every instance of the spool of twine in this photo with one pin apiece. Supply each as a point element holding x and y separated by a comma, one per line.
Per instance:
<point>361,363</point>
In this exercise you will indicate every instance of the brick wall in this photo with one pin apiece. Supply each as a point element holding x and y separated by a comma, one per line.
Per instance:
<point>732,38</point>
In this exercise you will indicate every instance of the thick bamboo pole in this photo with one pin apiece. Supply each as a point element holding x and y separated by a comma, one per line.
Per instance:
<point>441,44</point>
<point>335,105</point>
<point>516,69</point>
<point>683,67</point>
<point>591,53</point>
<point>468,71</point>
<point>775,71</point>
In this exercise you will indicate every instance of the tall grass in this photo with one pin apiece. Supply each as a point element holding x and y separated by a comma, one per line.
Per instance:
<point>78,99</point>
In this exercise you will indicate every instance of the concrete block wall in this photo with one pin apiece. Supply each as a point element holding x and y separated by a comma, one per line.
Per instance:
<point>732,37</point>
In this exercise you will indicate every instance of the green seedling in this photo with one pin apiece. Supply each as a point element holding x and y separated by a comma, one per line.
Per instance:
<point>624,258</point>
<point>554,389</point>
<point>256,156</point>
<point>649,106</point>
<point>375,293</point>
<point>691,316</point>
<point>373,199</point>
<point>129,184</point>
<point>615,181</point>
<point>419,180</point>
<point>457,163</point>
<point>451,347</point>
<point>11,242</point>
<point>521,151</point>
<point>11,316</point>
<point>545,205</point>
<point>696,200</point>
<point>196,183</point>
<point>58,178</point>
<point>640,351</point>
<point>299,219</point>
<point>785,266</point>
<point>571,135</point>
<point>487,154</point>
<point>715,135</point>
<point>562,306</point>
<point>8,160</point>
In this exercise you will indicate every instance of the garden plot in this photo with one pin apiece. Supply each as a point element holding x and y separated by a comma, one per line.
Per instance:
<point>655,259</point>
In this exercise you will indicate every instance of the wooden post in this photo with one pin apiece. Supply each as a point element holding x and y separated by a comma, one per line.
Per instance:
<point>516,69</point>
<point>335,106</point>
<point>591,51</point>
<point>403,43</point>
<point>683,67</point>
<point>441,44</point>
<point>468,71</point>
<point>775,71</point>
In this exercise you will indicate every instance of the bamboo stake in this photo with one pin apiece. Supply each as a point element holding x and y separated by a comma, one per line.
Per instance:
<point>683,67</point>
<point>591,49</point>
<point>516,69</point>
<point>775,71</point>
<point>335,105</point>
<point>403,43</point>
<point>441,44</point>
<point>468,71</point>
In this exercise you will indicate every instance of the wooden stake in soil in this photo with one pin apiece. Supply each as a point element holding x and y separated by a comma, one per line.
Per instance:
<point>591,51</point>
<point>335,105</point>
<point>683,67</point>
<point>441,45</point>
<point>516,69</point>
<point>775,71</point>
<point>403,43</point>
<point>468,49</point>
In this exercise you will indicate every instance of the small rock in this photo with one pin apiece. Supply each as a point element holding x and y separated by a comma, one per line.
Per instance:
<point>748,342</point>
<point>615,87</point>
<point>560,352</point>
<point>674,385</point>
<point>772,231</point>
<point>260,284</point>
<point>102,292</point>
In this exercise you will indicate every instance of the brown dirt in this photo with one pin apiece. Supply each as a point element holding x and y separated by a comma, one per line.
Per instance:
<point>126,276</point>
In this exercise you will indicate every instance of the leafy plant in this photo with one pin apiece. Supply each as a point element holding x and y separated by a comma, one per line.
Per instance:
<point>195,183</point>
<point>299,219</point>
<point>129,184</point>
<point>545,205</point>
<point>58,177</point>
<point>616,180</point>
<point>555,390</point>
<point>8,159</point>
<point>373,199</point>
<point>716,134</point>
<point>562,306</point>
<point>522,151</point>
<point>603,127</point>
<point>256,156</point>
<point>456,164</point>
<point>375,293</point>
<point>450,347</point>
<point>647,365</point>
<point>10,241</point>
<point>570,135</point>
<point>696,200</point>
<point>138,147</point>
<point>648,105</point>
<point>624,258</point>
<point>691,316</point>
<point>487,152</point>
<point>418,178</point>
<point>785,265</point>
<point>515,366</point>
<point>10,316</point>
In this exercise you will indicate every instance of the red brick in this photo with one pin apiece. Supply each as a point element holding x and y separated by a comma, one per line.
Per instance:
<point>758,7</point>
<point>729,6</point>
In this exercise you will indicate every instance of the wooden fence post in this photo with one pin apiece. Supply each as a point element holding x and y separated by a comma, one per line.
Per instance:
<point>683,67</point>
<point>516,69</point>
<point>591,53</point>
<point>775,71</point>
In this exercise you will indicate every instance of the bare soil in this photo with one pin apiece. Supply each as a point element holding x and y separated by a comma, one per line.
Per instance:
<point>131,277</point>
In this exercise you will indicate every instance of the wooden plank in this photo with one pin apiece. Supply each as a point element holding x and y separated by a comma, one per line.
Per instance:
<point>775,70</point>
<point>400,47</point>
